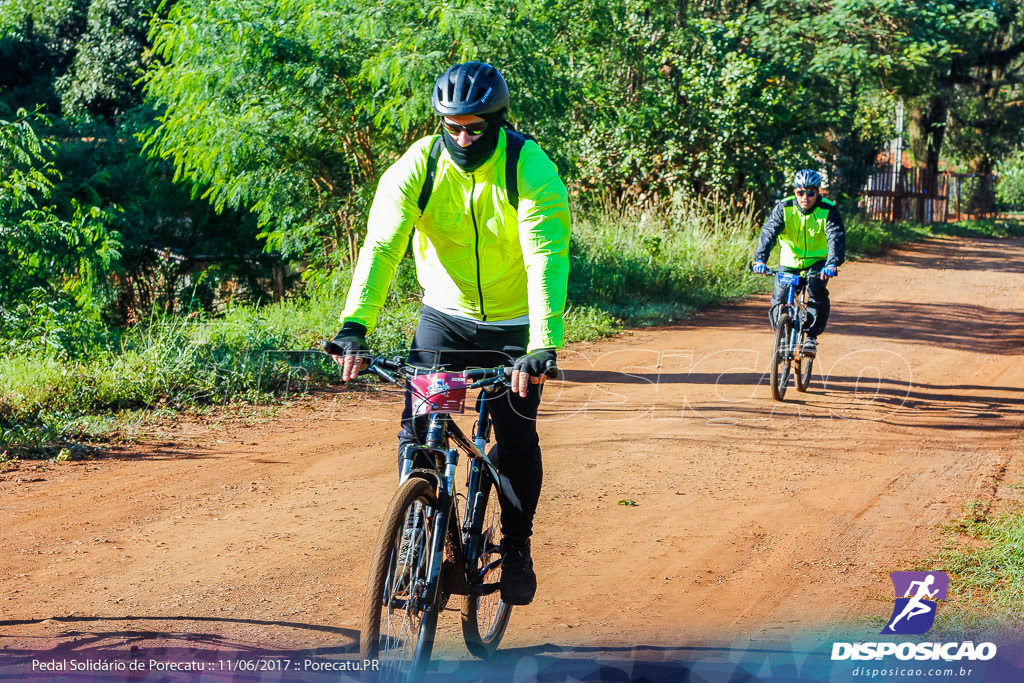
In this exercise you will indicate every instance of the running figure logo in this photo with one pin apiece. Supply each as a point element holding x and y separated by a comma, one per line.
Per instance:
<point>917,595</point>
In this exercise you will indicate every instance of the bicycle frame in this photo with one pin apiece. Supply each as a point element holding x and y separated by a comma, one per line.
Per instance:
<point>796,306</point>
<point>422,557</point>
<point>796,296</point>
<point>441,428</point>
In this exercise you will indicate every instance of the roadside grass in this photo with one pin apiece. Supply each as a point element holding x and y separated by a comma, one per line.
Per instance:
<point>657,267</point>
<point>983,555</point>
<point>867,238</point>
<point>627,270</point>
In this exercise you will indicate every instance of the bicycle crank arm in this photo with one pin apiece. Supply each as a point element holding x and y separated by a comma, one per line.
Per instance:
<point>481,589</point>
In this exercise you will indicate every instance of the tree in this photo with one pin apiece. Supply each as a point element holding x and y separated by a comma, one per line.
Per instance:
<point>54,269</point>
<point>1011,183</point>
<point>259,108</point>
<point>986,86</point>
<point>37,43</point>
<point>109,59</point>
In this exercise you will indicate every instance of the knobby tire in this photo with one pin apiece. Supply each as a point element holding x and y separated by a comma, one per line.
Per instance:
<point>397,630</point>
<point>803,373</point>
<point>485,617</point>
<point>781,357</point>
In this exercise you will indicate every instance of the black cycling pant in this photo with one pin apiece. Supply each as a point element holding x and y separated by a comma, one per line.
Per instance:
<point>818,304</point>
<point>458,344</point>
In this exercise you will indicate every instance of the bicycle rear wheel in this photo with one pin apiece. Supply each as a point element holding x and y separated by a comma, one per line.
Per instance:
<point>485,617</point>
<point>781,356</point>
<point>398,620</point>
<point>803,373</point>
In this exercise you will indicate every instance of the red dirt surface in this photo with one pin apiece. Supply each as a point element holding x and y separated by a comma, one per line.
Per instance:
<point>753,519</point>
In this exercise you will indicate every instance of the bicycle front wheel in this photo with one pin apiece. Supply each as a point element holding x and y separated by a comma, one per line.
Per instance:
<point>398,620</point>
<point>782,353</point>
<point>485,617</point>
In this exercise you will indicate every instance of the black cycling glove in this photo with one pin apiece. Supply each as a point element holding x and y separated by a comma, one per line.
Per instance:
<point>535,363</point>
<point>351,341</point>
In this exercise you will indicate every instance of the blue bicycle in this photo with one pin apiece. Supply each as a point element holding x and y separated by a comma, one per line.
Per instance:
<point>790,334</point>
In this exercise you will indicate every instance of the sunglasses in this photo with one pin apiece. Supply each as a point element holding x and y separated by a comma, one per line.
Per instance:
<point>475,128</point>
<point>806,193</point>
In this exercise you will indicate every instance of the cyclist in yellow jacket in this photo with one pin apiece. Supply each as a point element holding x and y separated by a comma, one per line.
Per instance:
<point>491,246</point>
<point>812,238</point>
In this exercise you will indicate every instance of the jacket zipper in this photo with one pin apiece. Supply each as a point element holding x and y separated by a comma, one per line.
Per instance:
<point>476,247</point>
<point>804,231</point>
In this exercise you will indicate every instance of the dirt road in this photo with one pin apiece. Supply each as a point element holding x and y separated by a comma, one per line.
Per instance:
<point>753,519</point>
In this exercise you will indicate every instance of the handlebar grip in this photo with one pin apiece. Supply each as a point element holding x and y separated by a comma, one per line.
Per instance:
<point>551,370</point>
<point>328,346</point>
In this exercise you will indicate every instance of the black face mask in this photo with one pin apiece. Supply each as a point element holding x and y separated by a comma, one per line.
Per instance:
<point>473,155</point>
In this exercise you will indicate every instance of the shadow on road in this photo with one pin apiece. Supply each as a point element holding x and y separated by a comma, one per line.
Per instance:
<point>738,396</point>
<point>981,254</point>
<point>83,636</point>
<point>962,327</point>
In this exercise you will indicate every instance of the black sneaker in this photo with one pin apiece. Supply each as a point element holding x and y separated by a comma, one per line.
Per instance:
<point>518,582</point>
<point>810,349</point>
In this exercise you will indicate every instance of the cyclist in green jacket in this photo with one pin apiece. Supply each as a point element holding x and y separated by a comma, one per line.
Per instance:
<point>812,238</point>
<point>494,278</point>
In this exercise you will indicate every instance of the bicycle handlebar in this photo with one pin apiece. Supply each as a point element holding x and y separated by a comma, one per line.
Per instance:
<point>771,271</point>
<point>382,366</point>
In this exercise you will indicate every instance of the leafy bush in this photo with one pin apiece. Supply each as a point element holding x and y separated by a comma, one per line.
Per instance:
<point>55,263</point>
<point>1010,189</point>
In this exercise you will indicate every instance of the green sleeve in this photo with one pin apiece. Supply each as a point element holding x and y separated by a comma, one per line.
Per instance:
<point>544,225</point>
<point>392,216</point>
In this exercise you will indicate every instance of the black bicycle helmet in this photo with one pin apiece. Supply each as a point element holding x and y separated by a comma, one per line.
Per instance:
<point>806,178</point>
<point>471,88</point>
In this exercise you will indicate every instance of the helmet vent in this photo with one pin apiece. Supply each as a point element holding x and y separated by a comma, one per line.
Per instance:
<point>470,88</point>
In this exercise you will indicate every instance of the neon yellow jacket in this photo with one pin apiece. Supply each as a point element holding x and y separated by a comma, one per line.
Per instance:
<point>474,254</point>
<point>805,238</point>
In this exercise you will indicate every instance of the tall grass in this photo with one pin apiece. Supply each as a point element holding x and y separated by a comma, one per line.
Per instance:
<point>866,238</point>
<point>652,268</point>
<point>628,270</point>
<point>175,362</point>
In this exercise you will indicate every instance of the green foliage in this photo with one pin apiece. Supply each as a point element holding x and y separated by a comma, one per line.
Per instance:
<point>109,58</point>
<point>985,560</point>
<point>1011,182</point>
<point>54,270</point>
<point>179,254</point>
<point>37,43</point>
<point>855,58</point>
<point>25,174</point>
<point>294,111</point>
<point>165,248</point>
<point>259,106</point>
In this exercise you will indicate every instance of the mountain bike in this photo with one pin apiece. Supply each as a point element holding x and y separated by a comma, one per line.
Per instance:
<point>790,334</point>
<point>425,551</point>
